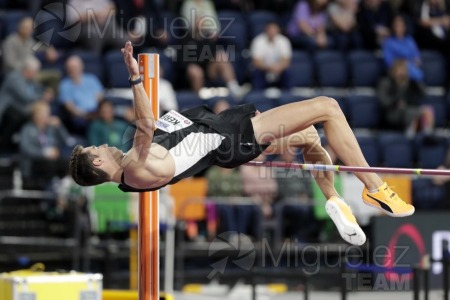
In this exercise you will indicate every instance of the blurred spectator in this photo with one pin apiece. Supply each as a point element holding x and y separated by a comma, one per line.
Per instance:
<point>271,54</point>
<point>99,27</point>
<point>106,129</point>
<point>399,97</point>
<point>167,95</point>
<point>220,106</point>
<point>307,27</point>
<point>342,15</point>
<point>18,46</point>
<point>433,31</point>
<point>294,193</point>
<point>40,142</point>
<point>198,55</point>
<point>19,91</point>
<point>374,17</point>
<point>80,94</point>
<point>402,46</point>
<point>259,184</point>
<point>201,13</point>
<point>223,182</point>
<point>145,17</point>
<point>444,180</point>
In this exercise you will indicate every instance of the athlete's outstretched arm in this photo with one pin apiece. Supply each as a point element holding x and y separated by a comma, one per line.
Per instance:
<point>145,121</point>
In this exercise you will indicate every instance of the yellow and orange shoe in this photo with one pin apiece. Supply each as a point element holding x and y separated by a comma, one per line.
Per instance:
<point>345,221</point>
<point>387,201</point>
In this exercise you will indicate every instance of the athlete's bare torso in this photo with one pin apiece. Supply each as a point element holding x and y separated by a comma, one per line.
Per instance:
<point>158,171</point>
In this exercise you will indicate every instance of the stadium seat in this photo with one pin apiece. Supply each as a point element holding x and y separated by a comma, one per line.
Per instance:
<point>260,100</point>
<point>258,20</point>
<point>439,107</point>
<point>302,70</point>
<point>434,68</point>
<point>369,147</point>
<point>233,29</point>
<point>431,151</point>
<point>241,66</point>
<point>188,99</point>
<point>396,150</point>
<point>363,111</point>
<point>426,195</point>
<point>286,98</point>
<point>92,63</point>
<point>331,69</point>
<point>365,68</point>
<point>116,70</point>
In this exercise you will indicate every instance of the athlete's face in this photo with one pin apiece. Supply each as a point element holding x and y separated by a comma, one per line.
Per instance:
<point>104,153</point>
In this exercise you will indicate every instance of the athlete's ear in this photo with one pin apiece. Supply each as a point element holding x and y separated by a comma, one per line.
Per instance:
<point>97,162</point>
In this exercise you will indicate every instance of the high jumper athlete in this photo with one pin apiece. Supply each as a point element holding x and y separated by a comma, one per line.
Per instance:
<point>179,145</point>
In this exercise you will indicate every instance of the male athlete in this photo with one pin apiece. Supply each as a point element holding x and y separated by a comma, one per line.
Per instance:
<point>180,145</point>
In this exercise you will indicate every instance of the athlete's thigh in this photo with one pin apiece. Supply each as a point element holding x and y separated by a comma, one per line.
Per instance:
<point>301,139</point>
<point>291,118</point>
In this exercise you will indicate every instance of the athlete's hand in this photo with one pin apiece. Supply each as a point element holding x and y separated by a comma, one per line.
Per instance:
<point>130,61</point>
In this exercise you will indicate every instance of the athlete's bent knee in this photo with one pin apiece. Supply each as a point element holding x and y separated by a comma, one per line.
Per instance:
<point>330,105</point>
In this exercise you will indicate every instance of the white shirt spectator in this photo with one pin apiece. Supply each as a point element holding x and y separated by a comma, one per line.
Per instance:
<point>271,52</point>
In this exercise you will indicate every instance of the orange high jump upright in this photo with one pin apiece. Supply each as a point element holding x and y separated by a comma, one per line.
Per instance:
<point>148,228</point>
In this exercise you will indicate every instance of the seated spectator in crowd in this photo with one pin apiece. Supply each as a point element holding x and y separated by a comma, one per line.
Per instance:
<point>220,106</point>
<point>19,91</point>
<point>167,95</point>
<point>106,129</point>
<point>307,27</point>
<point>145,17</point>
<point>40,142</point>
<point>260,185</point>
<point>433,31</point>
<point>20,45</point>
<point>199,58</point>
<point>80,94</point>
<point>402,46</point>
<point>271,55</point>
<point>400,99</point>
<point>294,194</point>
<point>205,11</point>
<point>342,14</point>
<point>99,27</point>
<point>374,18</point>
<point>223,182</point>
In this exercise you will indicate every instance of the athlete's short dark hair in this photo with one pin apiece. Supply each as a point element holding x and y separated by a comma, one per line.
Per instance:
<point>83,170</point>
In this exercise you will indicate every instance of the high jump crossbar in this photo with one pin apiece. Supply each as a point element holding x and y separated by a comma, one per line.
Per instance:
<point>148,228</point>
<point>338,168</point>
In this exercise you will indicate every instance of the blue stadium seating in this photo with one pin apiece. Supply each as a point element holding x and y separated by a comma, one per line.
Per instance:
<point>434,68</point>
<point>396,150</point>
<point>426,195</point>
<point>365,69</point>
<point>260,100</point>
<point>363,111</point>
<point>116,71</point>
<point>440,109</point>
<point>233,29</point>
<point>369,147</point>
<point>302,70</point>
<point>258,20</point>
<point>241,66</point>
<point>92,63</point>
<point>187,100</point>
<point>331,68</point>
<point>287,97</point>
<point>431,151</point>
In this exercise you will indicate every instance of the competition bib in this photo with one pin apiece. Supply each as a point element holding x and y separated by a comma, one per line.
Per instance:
<point>173,121</point>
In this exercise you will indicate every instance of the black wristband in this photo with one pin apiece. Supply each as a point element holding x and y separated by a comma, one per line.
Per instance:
<point>134,82</point>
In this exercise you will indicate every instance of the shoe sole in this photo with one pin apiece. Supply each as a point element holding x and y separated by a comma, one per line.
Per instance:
<point>349,231</point>
<point>397,215</point>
